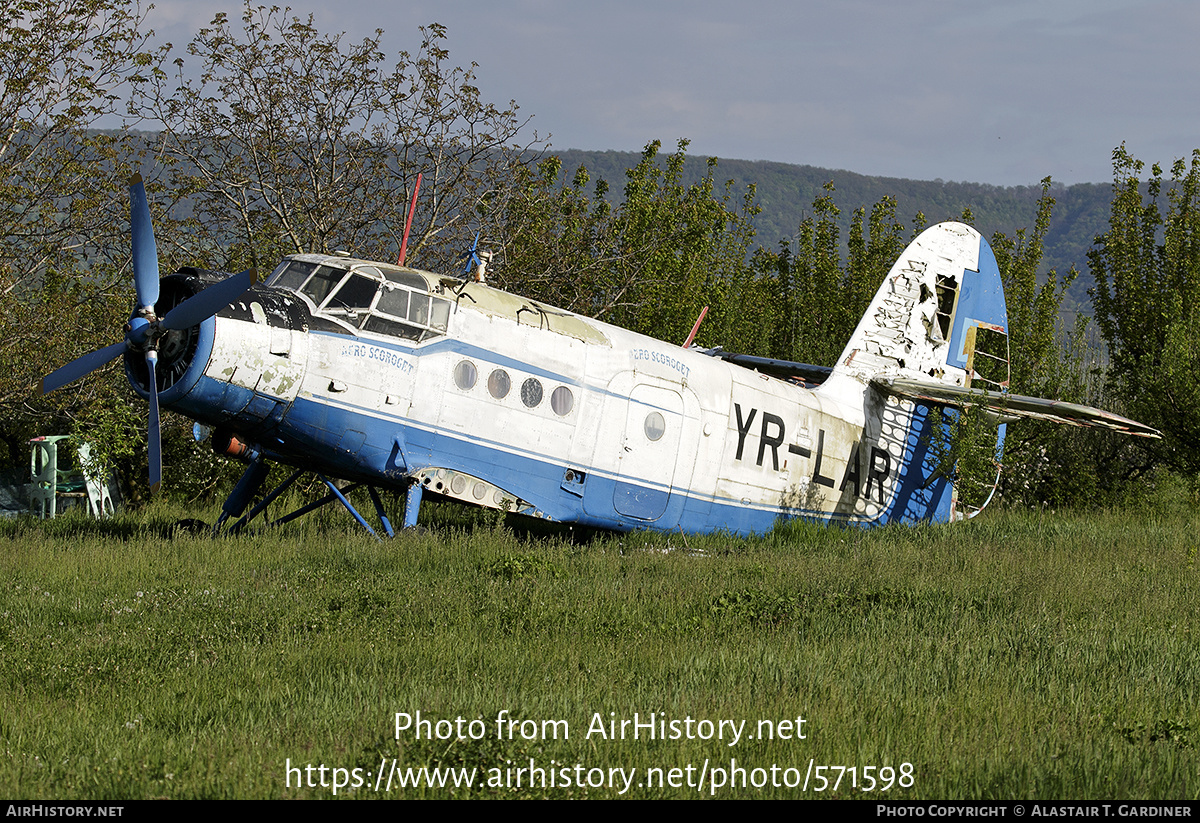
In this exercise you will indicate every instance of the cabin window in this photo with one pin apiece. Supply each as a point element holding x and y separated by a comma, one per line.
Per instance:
<point>465,374</point>
<point>655,426</point>
<point>561,400</point>
<point>499,384</point>
<point>531,392</point>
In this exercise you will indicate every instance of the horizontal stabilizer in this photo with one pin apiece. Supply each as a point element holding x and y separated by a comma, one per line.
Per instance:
<point>1010,406</point>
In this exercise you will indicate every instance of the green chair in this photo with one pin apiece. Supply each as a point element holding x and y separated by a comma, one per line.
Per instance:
<point>56,475</point>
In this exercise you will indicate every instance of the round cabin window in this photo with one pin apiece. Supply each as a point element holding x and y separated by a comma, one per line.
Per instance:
<point>531,392</point>
<point>561,400</point>
<point>499,383</point>
<point>655,426</point>
<point>465,375</point>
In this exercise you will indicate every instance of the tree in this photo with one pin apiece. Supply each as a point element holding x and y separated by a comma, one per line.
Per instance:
<point>1033,309</point>
<point>556,244</point>
<point>1043,462</point>
<point>821,298</point>
<point>679,247</point>
<point>1147,303</point>
<point>650,264</point>
<point>64,65</point>
<point>810,281</point>
<point>294,141</point>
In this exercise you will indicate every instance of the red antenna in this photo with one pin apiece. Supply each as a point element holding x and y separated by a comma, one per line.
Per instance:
<point>696,327</point>
<point>408,222</point>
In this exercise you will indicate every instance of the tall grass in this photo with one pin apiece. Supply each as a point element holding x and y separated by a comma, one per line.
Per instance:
<point>1020,655</point>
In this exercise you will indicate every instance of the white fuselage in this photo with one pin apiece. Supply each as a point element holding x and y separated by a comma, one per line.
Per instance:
<point>515,404</point>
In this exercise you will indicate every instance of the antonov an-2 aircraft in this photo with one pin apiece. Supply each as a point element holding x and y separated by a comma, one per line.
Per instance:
<point>391,377</point>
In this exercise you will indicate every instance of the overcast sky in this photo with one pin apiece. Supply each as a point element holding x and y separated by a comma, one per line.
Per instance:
<point>993,91</point>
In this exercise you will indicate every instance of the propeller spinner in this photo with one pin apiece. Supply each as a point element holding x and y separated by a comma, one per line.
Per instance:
<point>144,329</point>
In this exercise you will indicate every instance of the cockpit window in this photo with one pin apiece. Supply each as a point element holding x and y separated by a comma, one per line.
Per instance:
<point>321,283</point>
<point>371,297</point>
<point>291,274</point>
<point>397,306</point>
<point>394,328</point>
<point>439,314</point>
<point>418,309</point>
<point>394,302</point>
<point>356,293</point>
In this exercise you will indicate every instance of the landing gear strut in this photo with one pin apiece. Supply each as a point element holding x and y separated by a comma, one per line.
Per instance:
<point>256,474</point>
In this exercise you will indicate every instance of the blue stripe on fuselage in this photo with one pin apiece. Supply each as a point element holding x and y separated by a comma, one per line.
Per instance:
<point>314,429</point>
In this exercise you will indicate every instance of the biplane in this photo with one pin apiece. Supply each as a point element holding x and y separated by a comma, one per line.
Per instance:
<point>391,378</point>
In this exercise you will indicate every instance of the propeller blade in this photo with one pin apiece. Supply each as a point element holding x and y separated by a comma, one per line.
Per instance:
<point>145,252</point>
<point>81,366</point>
<point>472,256</point>
<point>154,444</point>
<point>200,307</point>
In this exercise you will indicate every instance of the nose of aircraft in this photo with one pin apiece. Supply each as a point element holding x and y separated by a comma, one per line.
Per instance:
<point>145,332</point>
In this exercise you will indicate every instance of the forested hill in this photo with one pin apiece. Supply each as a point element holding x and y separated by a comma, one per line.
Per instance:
<point>786,193</point>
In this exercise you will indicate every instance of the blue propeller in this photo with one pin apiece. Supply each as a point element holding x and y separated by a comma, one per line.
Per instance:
<point>144,329</point>
<point>145,251</point>
<point>472,257</point>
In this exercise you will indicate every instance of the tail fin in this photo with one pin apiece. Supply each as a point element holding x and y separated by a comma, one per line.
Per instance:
<point>939,316</point>
<point>938,319</point>
<point>936,337</point>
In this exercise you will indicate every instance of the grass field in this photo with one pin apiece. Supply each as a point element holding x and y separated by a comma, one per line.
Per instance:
<point>1020,655</point>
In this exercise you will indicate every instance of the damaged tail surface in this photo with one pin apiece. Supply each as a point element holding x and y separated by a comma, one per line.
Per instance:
<point>938,317</point>
<point>934,343</point>
<point>938,320</point>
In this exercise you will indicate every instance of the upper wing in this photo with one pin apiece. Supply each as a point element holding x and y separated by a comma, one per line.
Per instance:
<point>1011,406</point>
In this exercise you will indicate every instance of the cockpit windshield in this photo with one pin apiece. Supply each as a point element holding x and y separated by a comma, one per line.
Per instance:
<point>367,296</point>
